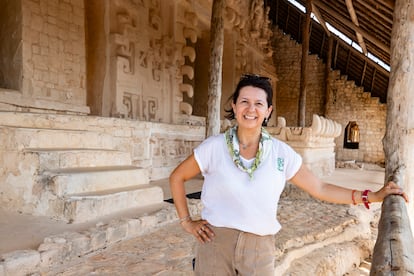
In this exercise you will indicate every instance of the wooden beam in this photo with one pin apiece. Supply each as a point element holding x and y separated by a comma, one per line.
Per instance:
<point>354,19</point>
<point>287,18</point>
<point>363,73</point>
<point>365,58</point>
<point>328,67</point>
<point>388,3</point>
<point>348,60</point>
<point>304,62</point>
<point>394,250</point>
<point>374,11</point>
<point>367,35</point>
<point>322,44</point>
<point>322,21</point>
<point>373,79</point>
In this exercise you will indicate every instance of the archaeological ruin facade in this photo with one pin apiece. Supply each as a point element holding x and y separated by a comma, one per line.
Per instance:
<point>100,97</point>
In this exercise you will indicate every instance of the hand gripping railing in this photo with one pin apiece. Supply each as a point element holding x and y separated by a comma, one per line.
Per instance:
<point>394,248</point>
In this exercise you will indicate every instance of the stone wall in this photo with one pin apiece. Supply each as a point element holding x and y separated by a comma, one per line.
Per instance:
<point>126,59</point>
<point>345,101</point>
<point>54,67</point>
<point>287,59</point>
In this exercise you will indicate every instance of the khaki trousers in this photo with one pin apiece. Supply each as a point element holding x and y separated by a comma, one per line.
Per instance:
<point>233,252</point>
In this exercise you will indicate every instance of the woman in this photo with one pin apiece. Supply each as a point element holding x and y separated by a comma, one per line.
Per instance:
<point>245,171</point>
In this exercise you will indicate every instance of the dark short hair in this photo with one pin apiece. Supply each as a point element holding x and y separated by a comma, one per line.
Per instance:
<point>255,81</point>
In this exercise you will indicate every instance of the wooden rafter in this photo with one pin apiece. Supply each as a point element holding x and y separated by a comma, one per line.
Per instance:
<point>356,28</point>
<point>388,3</point>
<point>322,21</point>
<point>374,11</point>
<point>354,19</point>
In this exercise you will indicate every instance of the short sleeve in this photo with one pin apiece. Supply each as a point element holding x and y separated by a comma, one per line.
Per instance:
<point>294,164</point>
<point>204,153</point>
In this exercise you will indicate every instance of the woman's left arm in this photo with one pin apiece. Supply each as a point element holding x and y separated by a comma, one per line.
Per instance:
<point>308,182</point>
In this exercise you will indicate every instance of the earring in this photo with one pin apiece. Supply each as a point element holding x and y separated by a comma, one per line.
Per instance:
<point>266,120</point>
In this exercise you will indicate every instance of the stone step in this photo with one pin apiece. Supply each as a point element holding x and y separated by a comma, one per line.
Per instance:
<point>83,207</point>
<point>19,138</point>
<point>54,159</point>
<point>75,181</point>
<point>334,259</point>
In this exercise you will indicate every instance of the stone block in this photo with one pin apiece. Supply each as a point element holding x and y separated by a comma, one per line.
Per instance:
<point>79,208</point>
<point>134,227</point>
<point>86,181</point>
<point>117,232</point>
<point>54,159</point>
<point>79,244</point>
<point>54,250</point>
<point>21,262</point>
<point>51,257</point>
<point>98,238</point>
<point>148,222</point>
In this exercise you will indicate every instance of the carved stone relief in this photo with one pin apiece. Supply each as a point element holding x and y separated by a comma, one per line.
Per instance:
<point>187,28</point>
<point>140,54</point>
<point>152,67</point>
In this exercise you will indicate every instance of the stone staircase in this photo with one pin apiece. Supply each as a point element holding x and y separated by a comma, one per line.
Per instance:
<point>340,80</point>
<point>63,167</point>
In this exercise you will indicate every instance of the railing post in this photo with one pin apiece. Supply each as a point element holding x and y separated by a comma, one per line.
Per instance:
<point>394,248</point>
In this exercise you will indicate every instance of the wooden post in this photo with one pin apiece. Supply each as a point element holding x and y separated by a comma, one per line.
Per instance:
<point>303,73</point>
<point>327,72</point>
<point>216,64</point>
<point>394,249</point>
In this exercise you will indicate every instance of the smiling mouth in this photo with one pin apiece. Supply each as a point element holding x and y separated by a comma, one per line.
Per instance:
<point>249,117</point>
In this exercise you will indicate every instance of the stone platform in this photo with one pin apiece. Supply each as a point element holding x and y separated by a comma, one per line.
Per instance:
<point>316,239</point>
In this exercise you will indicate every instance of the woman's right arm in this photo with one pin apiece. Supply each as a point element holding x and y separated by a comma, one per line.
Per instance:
<point>185,171</point>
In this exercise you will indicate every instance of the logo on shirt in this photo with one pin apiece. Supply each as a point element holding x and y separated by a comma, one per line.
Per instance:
<point>280,164</point>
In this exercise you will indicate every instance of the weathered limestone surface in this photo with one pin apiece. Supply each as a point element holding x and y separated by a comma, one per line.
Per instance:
<point>367,111</point>
<point>315,143</point>
<point>128,59</point>
<point>317,239</point>
<point>78,168</point>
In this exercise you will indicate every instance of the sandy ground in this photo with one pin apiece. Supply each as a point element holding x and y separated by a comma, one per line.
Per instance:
<point>19,231</point>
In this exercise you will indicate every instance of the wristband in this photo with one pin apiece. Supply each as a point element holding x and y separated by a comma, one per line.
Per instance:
<point>353,197</point>
<point>365,198</point>
<point>185,219</point>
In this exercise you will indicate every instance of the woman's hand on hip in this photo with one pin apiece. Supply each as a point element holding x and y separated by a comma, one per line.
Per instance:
<point>199,229</point>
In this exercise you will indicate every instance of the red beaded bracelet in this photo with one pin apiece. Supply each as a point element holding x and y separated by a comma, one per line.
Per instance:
<point>365,198</point>
<point>353,197</point>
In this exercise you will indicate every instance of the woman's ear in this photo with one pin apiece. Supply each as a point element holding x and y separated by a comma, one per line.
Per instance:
<point>269,111</point>
<point>233,106</point>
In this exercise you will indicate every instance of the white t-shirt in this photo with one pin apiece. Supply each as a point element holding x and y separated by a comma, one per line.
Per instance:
<point>231,199</point>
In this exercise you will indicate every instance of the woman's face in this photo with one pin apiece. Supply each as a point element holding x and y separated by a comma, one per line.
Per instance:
<point>251,107</point>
